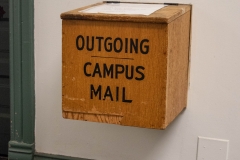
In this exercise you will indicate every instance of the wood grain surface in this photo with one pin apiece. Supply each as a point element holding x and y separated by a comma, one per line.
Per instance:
<point>164,15</point>
<point>126,73</point>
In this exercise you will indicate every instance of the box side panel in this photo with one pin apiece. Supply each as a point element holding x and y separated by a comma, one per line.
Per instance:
<point>178,62</point>
<point>114,72</point>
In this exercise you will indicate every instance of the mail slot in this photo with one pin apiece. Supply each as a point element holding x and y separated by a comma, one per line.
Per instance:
<point>125,69</point>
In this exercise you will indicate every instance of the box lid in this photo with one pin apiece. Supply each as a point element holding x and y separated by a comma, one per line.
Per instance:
<point>164,15</point>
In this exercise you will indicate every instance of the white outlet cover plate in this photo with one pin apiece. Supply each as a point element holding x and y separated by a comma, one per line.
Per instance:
<point>212,149</point>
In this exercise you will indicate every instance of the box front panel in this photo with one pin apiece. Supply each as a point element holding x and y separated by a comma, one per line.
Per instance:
<point>114,72</point>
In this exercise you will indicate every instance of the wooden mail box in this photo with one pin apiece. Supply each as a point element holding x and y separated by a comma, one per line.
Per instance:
<point>125,69</point>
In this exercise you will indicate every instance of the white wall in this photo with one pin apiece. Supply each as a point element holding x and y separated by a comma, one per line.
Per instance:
<point>213,100</point>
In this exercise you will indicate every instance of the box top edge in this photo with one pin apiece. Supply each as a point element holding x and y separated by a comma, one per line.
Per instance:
<point>164,15</point>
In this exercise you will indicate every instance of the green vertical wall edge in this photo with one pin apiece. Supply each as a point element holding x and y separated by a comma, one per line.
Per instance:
<point>21,145</point>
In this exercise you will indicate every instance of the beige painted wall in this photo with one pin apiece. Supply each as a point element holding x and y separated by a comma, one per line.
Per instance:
<point>213,100</point>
